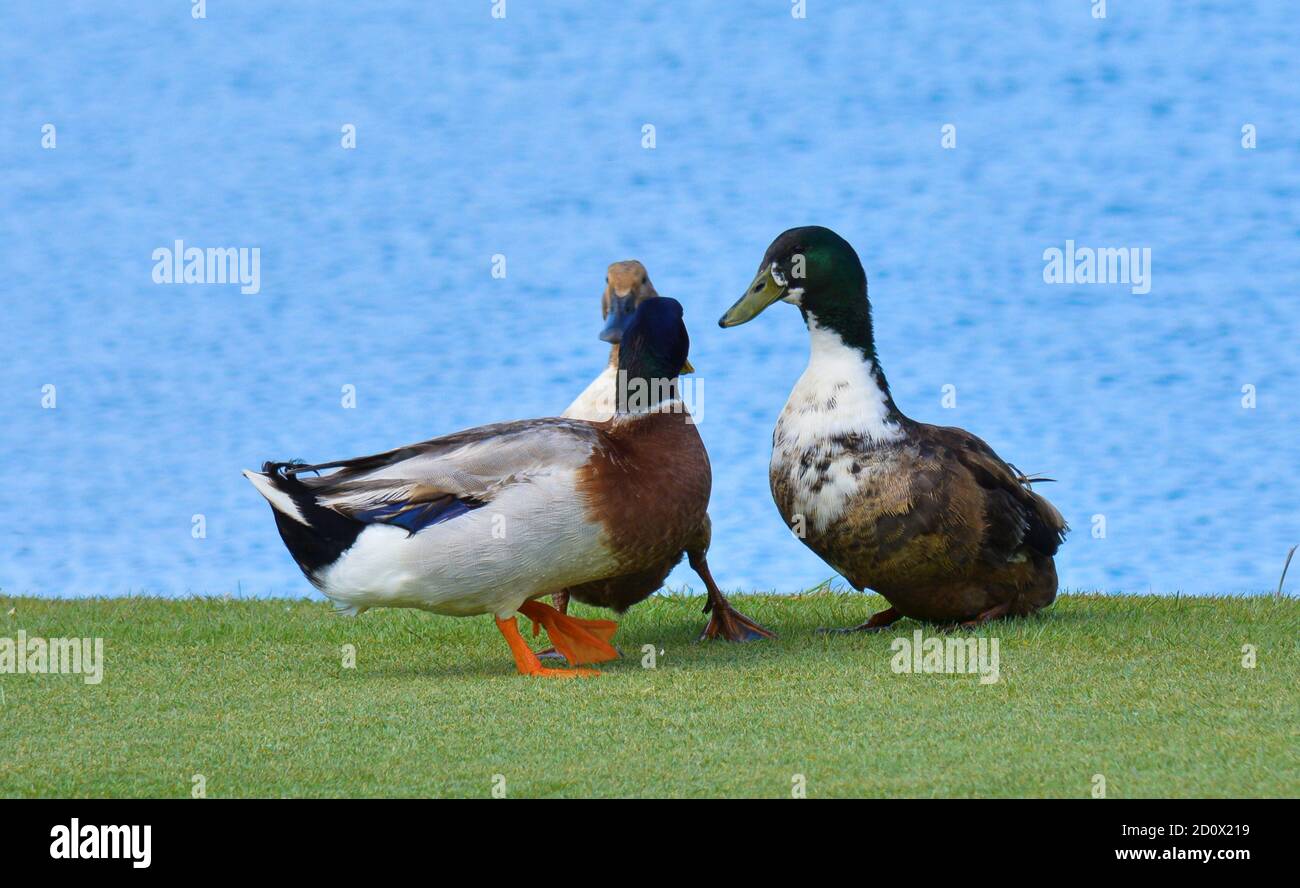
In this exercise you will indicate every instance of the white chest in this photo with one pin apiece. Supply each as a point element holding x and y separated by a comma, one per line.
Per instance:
<point>597,401</point>
<point>836,416</point>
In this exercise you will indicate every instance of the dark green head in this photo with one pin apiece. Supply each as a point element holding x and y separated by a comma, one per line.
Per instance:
<point>817,270</point>
<point>655,343</point>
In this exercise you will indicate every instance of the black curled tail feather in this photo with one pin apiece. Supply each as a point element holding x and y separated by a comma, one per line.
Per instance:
<point>322,536</point>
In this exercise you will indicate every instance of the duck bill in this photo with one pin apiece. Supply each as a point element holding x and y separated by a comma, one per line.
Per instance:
<point>762,292</point>
<point>620,314</point>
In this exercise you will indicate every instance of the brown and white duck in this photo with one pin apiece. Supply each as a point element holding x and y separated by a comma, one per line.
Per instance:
<point>927,516</point>
<point>488,520</point>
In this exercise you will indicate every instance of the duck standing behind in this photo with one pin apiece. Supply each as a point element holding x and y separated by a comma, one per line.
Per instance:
<point>627,286</point>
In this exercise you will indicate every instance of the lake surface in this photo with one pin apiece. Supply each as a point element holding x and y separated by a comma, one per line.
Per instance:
<point>523,137</point>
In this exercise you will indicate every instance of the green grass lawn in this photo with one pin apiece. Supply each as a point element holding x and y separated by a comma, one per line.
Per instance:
<point>1149,692</point>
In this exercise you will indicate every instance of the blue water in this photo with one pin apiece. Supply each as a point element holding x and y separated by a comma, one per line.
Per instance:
<point>522,137</point>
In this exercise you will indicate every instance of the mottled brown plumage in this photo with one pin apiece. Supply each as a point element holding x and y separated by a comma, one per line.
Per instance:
<point>939,526</point>
<point>928,516</point>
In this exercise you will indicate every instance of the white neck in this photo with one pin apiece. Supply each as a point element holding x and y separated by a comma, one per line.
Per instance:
<point>838,394</point>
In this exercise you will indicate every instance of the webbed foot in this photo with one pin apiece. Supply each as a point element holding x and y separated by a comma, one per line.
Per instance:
<point>993,613</point>
<point>885,618</point>
<point>728,623</point>
<point>724,620</point>
<point>577,640</point>
<point>526,662</point>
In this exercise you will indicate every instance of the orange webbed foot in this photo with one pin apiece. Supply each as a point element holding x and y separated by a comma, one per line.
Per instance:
<point>579,641</point>
<point>559,601</point>
<point>526,661</point>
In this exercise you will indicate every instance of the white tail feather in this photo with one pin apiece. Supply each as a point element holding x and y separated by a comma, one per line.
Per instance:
<point>279,500</point>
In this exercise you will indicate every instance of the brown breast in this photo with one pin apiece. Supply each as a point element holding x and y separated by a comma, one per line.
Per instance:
<point>649,488</point>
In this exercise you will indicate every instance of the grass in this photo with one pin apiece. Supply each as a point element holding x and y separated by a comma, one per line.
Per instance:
<point>1149,692</point>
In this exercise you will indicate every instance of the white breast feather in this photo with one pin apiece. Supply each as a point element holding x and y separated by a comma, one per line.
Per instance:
<point>596,403</point>
<point>836,395</point>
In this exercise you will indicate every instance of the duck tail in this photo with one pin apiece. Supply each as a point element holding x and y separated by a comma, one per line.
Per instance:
<point>279,490</point>
<point>314,535</point>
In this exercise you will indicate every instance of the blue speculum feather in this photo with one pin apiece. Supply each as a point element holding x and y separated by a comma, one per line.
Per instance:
<point>413,520</point>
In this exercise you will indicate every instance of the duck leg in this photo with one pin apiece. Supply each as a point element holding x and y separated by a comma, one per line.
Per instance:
<point>887,617</point>
<point>994,613</point>
<point>526,661</point>
<point>724,620</point>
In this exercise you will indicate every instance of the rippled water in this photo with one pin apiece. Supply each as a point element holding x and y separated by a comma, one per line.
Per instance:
<point>523,137</point>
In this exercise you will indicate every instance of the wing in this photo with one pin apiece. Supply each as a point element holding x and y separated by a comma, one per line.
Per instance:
<point>422,484</point>
<point>1016,516</point>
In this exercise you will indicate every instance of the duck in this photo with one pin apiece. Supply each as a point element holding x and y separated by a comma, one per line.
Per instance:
<point>627,288</point>
<point>627,285</point>
<point>928,516</point>
<point>491,519</point>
